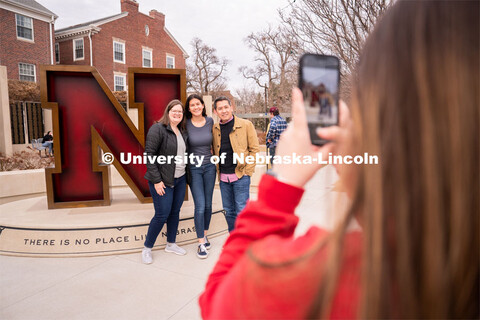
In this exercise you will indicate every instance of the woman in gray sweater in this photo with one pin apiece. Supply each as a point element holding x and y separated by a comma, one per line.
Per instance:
<point>203,172</point>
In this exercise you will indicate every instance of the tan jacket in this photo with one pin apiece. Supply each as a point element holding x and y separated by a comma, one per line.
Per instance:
<point>244,140</point>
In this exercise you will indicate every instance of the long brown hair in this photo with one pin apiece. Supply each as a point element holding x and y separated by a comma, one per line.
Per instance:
<point>415,104</point>
<point>165,120</point>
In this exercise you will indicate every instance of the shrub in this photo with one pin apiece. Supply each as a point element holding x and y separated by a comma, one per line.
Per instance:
<point>23,91</point>
<point>261,137</point>
<point>121,96</point>
<point>24,160</point>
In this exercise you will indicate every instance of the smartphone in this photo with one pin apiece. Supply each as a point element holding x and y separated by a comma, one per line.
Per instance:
<point>319,80</point>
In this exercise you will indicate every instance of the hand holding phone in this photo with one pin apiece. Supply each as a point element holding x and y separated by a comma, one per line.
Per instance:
<point>319,78</point>
<point>295,141</point>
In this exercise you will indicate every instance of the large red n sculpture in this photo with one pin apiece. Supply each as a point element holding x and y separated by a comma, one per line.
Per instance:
<point>86,116</point>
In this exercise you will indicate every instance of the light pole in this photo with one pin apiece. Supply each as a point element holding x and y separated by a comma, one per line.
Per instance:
<point>266,107</point>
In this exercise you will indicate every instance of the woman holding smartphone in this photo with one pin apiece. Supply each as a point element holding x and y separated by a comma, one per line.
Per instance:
<point>415,104</point>
<point>167,181</point>
<point>203,172</point>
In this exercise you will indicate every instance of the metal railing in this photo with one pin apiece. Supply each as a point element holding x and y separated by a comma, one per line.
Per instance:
<point>26,118</point>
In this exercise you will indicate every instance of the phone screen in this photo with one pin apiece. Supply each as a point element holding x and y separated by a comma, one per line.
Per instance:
<point>319,82</point>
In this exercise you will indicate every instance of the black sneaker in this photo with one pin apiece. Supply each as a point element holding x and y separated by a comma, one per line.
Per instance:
<point>202,252</point>
<point>207,243</point>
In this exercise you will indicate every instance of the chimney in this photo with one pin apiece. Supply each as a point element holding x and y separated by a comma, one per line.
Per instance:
<point>160,17</point>
<point>129,5</point>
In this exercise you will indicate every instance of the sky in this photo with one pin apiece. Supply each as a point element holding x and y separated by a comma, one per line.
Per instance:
<point>221,24</point>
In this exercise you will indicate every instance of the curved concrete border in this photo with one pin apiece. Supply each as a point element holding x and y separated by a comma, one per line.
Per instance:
<point>29,228</point>
<point>68,242</point>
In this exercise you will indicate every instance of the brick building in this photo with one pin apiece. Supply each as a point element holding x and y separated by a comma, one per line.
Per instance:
<point>112,44</point>
<point>26,39</point>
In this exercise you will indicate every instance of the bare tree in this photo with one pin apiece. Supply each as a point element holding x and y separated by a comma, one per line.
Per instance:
<point>337,27</point>
<point>276,55</point>
<point>205,72</point>
<point>249,100</point>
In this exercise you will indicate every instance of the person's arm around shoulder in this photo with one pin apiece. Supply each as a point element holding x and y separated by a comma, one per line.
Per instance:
<point>252,146</point>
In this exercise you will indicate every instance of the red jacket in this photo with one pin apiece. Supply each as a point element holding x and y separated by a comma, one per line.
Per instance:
<point>265,273</point>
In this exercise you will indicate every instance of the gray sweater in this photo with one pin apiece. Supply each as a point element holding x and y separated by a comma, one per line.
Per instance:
<point>200,139</point>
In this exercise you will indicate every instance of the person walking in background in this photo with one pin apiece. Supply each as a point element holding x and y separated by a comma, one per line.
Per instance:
<point>47,141</point>
<point>417,253</point>
<point>199,128</point>
<point>167,181</point>
<point>233,135</point>
<point>276,128</point>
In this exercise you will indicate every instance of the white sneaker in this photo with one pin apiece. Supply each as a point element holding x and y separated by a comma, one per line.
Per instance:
<point>147,256</point>
<point>173,248</point>
<point>207,243</point>
<point>202,252</point>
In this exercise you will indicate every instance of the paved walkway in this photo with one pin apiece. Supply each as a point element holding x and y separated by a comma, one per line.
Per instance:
<point>121,287</point>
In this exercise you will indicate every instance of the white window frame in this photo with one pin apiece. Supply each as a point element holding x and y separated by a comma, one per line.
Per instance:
<point>29,75</point>
<point>57,49</point>
<point>75,51</point>
<point>166,61</point>
<point>143,57</point>
<point>124,55</point>
<point>16,30</point>
<point>124,79</point>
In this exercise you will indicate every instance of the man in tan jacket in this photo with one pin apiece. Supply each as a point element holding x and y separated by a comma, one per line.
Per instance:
<point>231,136</point>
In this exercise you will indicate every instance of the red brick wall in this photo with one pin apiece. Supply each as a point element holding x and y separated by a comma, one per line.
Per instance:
<point>131,30</point>
<point>13,50</point>
<point>66,51</point>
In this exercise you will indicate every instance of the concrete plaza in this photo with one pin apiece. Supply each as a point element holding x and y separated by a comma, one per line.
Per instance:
<point>120,286</point>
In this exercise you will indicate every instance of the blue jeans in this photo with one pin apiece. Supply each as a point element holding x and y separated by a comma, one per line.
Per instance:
<point>167,209</point>
<point>234,198</point>
<point>271,151</point>
<point>203,182</point>
<point>49,145</point>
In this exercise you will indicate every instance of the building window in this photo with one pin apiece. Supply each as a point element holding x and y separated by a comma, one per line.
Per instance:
<point>147,30</point>
<point>170,62</point>
<point>26,72</point>
<point>57,53</point>
<point>119,83</point>
<point>78,49</point>
<point>24,27</point>
<point>118,52</point>
<point>147,58</point>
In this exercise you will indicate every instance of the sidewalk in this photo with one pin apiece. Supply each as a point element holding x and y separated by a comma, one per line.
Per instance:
<point>120,286</point>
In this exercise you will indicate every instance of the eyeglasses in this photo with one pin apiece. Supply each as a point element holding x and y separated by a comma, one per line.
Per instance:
<point>175,111</point>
